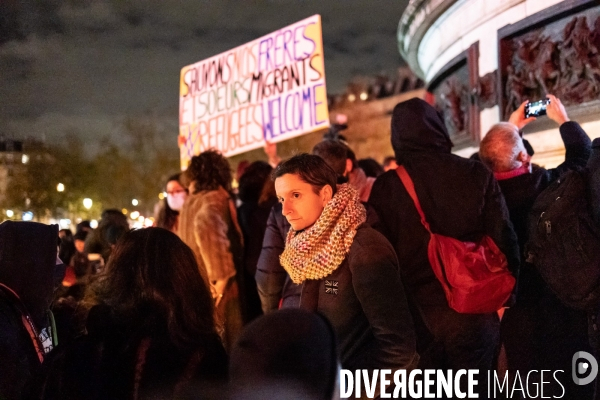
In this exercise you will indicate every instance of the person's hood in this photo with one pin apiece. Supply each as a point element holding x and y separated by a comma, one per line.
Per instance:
<point>286,347</point>
<point>28,252</point>
<point>418,127</point>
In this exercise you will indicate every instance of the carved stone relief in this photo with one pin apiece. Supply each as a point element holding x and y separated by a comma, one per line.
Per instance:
<point>452,99</point>
<point>560,58</point>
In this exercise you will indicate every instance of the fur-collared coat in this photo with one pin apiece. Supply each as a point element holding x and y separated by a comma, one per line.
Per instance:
<point>208,225</point>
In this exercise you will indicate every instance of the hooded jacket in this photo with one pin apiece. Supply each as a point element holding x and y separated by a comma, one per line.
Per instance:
<point>28,253</point>
<point>460,199</point>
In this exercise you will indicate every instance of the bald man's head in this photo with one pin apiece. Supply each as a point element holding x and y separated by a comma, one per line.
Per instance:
<point>502,148</point>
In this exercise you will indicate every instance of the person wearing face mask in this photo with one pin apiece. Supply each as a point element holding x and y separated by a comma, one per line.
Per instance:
<point>30,271</point>
<point>348,271</point>
<point>168,214</point>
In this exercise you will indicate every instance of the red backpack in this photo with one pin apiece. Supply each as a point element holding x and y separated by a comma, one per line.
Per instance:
<point>475,276</point>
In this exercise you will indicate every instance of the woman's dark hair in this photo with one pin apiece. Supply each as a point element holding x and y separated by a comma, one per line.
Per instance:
<point>152,279</point>
<point>253,180</point>
<point>371,167</point>
<point>166,216</point>
<point>310,168</point>
<point>335,154</point>
<point>209,170</point>
<point>99,241</point>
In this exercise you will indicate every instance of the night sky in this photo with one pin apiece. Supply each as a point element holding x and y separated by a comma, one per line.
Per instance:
<point>82,66</point>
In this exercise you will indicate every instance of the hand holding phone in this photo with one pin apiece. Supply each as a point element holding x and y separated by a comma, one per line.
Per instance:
<point>518,116</point>
<point>536,108</point>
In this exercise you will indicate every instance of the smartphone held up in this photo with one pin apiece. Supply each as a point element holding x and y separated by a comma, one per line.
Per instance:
<point>536,108</point>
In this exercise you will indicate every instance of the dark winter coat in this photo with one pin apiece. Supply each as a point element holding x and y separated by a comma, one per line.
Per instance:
<point>274,285</point>
<point>118,359</point>
<point>521,191</point>
<point>253,222</point>
<point>540,331</point>
<point>365,302</point>
<point>460,199</point>
<point>28,252</point>
<point>273,282</point>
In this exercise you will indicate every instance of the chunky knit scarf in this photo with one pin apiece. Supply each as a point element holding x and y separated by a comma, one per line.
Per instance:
<point>317,251</point>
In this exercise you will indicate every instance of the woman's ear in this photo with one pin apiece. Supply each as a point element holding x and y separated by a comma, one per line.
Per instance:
<point>326,194</point>
<point>349,166</point>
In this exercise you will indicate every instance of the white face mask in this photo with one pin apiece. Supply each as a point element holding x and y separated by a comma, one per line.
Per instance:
<point>175,201</point>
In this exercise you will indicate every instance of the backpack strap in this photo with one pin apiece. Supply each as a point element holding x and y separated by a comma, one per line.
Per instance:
<point>410,188</point>
<point>15,301</point>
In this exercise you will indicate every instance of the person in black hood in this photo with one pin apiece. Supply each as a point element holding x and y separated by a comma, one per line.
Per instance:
<point>461,199</point>
<point>29,273</point>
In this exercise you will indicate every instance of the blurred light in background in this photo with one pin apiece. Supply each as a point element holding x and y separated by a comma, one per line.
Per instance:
<point>60,187</point>
<point>27,216</point>
<point>134,214</point>
<point>93,224</point>
<point>135,202</point>
<point>64,223</point>
<point>24,159</point>
<point>10,213</point>
<point>87,203</point>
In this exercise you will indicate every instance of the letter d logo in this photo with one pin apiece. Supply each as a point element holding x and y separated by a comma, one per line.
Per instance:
<point>580,367</point>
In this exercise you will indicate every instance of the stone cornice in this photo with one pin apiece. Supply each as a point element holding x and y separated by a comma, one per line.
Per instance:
<point>418,17</point>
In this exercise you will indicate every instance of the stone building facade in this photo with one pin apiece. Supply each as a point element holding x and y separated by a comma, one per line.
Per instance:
<point>481,58</point>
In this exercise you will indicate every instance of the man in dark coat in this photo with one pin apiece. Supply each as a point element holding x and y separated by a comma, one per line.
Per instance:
<point>539,332</point>
<point>29,272</point>
<point>460,199</point>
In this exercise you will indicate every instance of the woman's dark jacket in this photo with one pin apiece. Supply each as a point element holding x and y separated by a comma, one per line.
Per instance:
<point>273,282</point>
<point>459,197</point>
<point>252,218</point>
<point>28,253</point>
<point>120,357</point>
<point>365,302</point>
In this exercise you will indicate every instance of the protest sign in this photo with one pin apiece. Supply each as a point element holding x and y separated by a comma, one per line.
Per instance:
<point>272,88</point>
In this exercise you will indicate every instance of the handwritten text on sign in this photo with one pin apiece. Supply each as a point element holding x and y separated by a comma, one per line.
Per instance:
<point>272,88</point>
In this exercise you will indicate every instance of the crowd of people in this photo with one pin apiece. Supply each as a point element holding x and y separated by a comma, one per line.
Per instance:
<point>312,264</point>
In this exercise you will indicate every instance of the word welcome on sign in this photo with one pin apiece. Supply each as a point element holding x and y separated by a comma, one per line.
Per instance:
<point>270,89</point>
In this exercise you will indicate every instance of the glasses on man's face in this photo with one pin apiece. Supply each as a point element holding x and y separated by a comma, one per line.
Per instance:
<point>173,192</point>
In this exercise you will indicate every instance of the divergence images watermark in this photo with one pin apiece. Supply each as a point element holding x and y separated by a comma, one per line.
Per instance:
<point>432,383</point>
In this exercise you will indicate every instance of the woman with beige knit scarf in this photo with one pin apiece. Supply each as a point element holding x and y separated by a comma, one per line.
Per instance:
<point>348,271</point>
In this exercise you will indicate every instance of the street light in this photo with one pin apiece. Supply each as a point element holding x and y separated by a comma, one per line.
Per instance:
<point>60,187</point>
<point>135,202</point>
<point>87,203</point>
<point>10,213</point>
